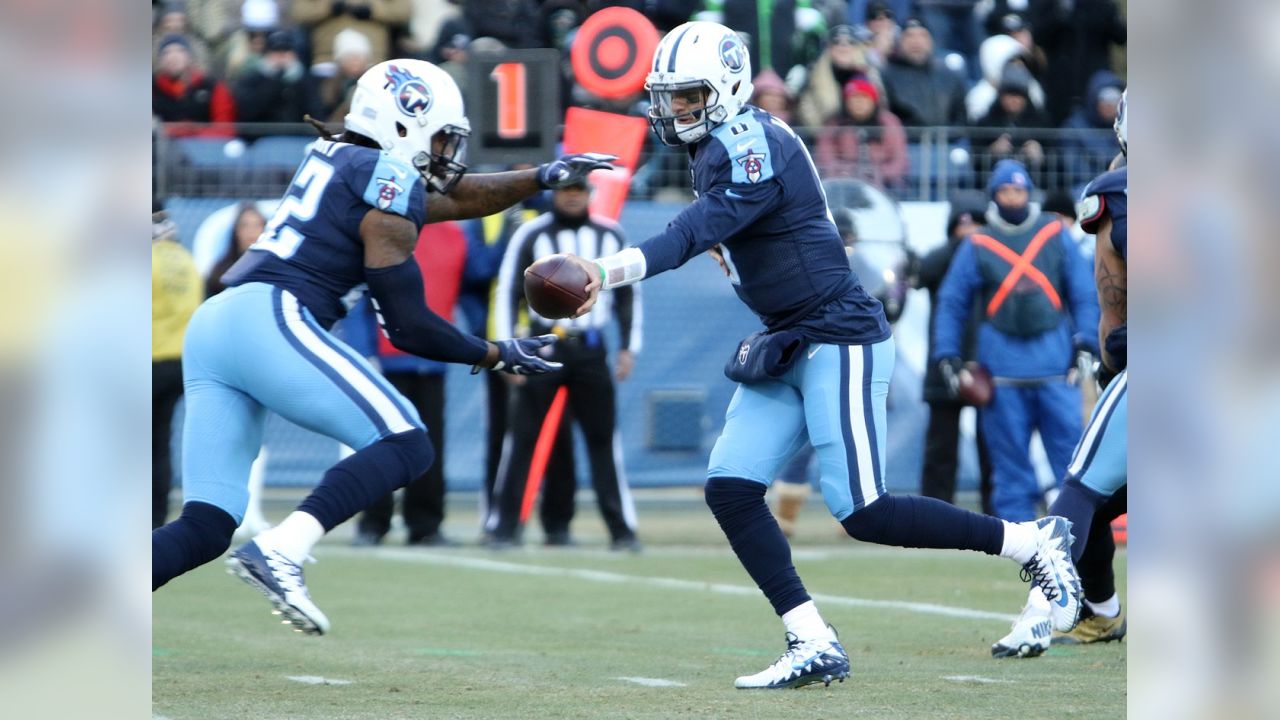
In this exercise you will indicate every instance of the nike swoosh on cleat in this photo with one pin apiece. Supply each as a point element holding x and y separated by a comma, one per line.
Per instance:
<point>1061,600</point>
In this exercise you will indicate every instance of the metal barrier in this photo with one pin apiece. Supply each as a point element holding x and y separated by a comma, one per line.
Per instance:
<point>943,163</point>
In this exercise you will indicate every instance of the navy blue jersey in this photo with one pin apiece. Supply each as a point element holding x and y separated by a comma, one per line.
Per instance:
<point>311,246</point>
<point>759,197</point>
<point>1108,196</point>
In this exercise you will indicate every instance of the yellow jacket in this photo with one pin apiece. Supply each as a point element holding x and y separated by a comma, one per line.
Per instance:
<point>176,291</point>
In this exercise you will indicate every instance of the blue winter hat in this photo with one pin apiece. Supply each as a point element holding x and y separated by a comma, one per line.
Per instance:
<point>1009,172</point>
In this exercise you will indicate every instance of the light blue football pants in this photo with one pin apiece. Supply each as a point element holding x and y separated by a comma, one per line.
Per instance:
<point>834,396</point>
<point>1101,459</point>
<point>254,348</point>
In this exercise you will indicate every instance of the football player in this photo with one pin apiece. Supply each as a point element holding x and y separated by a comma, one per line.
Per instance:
<point>348,222</point>
<point>1095,489</point>
<point>759,198</point>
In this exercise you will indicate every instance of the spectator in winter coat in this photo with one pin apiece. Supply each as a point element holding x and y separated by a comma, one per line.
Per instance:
<point>334,82</point>
<point>922,90</point>
<point>1090,143</point>
<point>1017,128</point>
<point>864,141</point>
<point>245,46</point>
<point>181,92</point>
<point>996,53</point>
<point>845,59</point>
<point>279,88</point>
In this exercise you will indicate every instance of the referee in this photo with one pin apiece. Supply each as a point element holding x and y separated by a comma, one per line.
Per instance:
<point>567,228</point>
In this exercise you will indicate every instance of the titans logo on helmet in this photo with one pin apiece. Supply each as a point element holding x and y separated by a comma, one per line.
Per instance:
<point>412,94</point>
<point>732,53</point>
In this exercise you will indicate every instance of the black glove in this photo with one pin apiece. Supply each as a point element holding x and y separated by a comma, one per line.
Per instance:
<point>950,369</point>
<point>339,8</point>
<point>361,12</point>
<point>570,169</point>
<point>1104,374</point>
<point>519,356</point>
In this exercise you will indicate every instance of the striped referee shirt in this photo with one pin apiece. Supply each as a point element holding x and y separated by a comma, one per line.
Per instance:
<point>546,235</point>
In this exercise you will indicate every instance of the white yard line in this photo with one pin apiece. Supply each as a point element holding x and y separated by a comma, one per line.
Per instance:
<point>317,680</point>
<point>604,576</point>
<point>652,682</point>
<point>977,679</point>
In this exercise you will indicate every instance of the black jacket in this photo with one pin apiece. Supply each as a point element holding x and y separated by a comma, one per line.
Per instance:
<point>932,269</point>
<point>927,95</point>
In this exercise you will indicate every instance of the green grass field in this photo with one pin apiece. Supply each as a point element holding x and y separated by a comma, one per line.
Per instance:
<point>584,633</point>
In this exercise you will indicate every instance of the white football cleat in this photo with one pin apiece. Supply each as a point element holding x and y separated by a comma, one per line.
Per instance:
<point>1052,571</point>
<point>1032,632</point>
<point>805,662</point>
<point>281,581</point>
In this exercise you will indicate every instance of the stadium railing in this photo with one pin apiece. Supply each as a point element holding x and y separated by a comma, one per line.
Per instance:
<point>257,160</point>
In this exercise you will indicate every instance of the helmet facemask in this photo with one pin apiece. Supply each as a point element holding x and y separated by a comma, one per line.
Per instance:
<point>682,127</point>
<point>441,166</point>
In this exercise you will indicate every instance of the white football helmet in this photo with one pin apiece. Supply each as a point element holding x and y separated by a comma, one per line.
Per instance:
<point>697,56</point>
<point>1122,122</point>
<point>403,105</point>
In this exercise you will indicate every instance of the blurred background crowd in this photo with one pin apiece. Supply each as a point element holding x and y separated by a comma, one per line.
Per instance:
<point>920,97</point>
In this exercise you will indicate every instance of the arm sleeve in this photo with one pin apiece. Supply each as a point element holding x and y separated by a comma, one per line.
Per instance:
<point>510,283</point>
<point>398,297</point>
<point>1082,296</point>
<point>720,213</point>
<point>955,300</point>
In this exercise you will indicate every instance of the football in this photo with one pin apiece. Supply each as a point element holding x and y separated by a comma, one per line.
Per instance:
<point>976,384</point>
<point>555,287</point>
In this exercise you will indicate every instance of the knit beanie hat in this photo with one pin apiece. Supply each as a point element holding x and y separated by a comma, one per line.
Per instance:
<point>1008,172</point>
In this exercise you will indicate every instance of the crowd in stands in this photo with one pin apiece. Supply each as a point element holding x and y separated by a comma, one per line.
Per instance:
<point>1033,80</point>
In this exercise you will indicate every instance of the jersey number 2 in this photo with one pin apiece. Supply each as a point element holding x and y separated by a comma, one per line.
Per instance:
<point>311,179</point>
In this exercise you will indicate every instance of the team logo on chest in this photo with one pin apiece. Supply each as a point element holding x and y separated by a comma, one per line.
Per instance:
<point>412,94</point>
<point>752,164</point>
<point>388,191</point>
